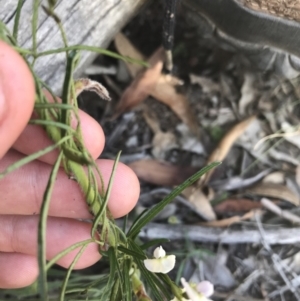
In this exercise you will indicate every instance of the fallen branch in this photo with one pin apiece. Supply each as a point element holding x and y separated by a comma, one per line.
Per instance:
<point>274,235</point>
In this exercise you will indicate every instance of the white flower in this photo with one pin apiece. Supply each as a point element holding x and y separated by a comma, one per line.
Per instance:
<point>206,288</point>
<point>159,252</point>
<point>195,294</point>
<point>161,263</point>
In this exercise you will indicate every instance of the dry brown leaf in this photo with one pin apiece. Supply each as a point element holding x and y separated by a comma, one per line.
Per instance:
<point>162,142</point>
<point>166,93</point>
<point>125,48</point>
<point>276,177</point>
<point>236,205</point>
<point>200,202</point>
<point>225,145</point>
<point>151,120</point>
<point>160,86</point>
<point>207,85</point>
<point>276,191</point>
<point>226,222</point>
<point>142,85</point>
<point>161,173</point>
<point>86,84</point>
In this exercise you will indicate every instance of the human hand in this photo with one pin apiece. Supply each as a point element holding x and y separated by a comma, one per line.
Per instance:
<point>21,192</point>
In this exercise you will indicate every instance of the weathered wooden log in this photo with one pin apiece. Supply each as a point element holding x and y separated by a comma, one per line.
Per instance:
<point>89,22</point>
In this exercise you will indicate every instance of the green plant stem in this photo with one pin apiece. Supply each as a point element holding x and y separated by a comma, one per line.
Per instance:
<point>17,19</point>
<point>92,49</point>
<point>34,23</point>
<point>42,229</point>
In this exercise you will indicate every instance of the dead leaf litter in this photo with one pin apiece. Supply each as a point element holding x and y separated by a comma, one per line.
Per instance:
<point>213,108</point>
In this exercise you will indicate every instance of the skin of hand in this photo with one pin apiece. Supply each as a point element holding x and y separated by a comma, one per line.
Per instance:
<point>21,192</point>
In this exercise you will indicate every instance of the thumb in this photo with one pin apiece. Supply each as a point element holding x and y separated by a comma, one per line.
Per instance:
<point>16,96</point>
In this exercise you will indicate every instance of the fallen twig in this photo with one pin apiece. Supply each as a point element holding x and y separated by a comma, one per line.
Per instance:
<point>244,286</point>
<point>293,218</point>
<point>277,262</point>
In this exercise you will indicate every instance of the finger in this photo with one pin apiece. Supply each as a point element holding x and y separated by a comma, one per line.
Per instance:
<point>22,190</point>
<point>19,234</point>
<point>17,270</point>
<point>92,132</point>
<point>16,96</point>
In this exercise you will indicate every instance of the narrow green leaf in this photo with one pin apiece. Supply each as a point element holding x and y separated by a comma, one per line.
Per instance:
<point>121,276</point>
<point>17,19</point>
<point>96,50</point>
<point>153,242</point>
<point>46,106</point>
<point>131,253</point>
<point>20,50</point>
<point>5,35</point>
<point>32,157</point>
<point>115,292</point>
<point>66,251</point>
<point>151,213</point>
<point>139,217</point>
<point>106,197</point>
<point>125,222</point>
<point>180,270</point>
<point>34,27</point>
<point>170,284</point>
<point>96,283</point>
<point>66,93</point>
<point>52,123</point>
<point>52,4</point>
<point>112,272</point>
<point>42,229</point>
<point>65,282</point>
<point>102,187</point>
<point>127,284</point>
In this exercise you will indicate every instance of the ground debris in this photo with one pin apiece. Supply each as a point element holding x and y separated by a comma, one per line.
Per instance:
<point>228,111</point>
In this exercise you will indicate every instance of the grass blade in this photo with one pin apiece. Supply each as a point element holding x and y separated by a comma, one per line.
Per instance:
<point>151,213</point>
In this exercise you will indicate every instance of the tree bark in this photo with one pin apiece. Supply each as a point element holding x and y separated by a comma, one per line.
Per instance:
<point>89,22</point>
